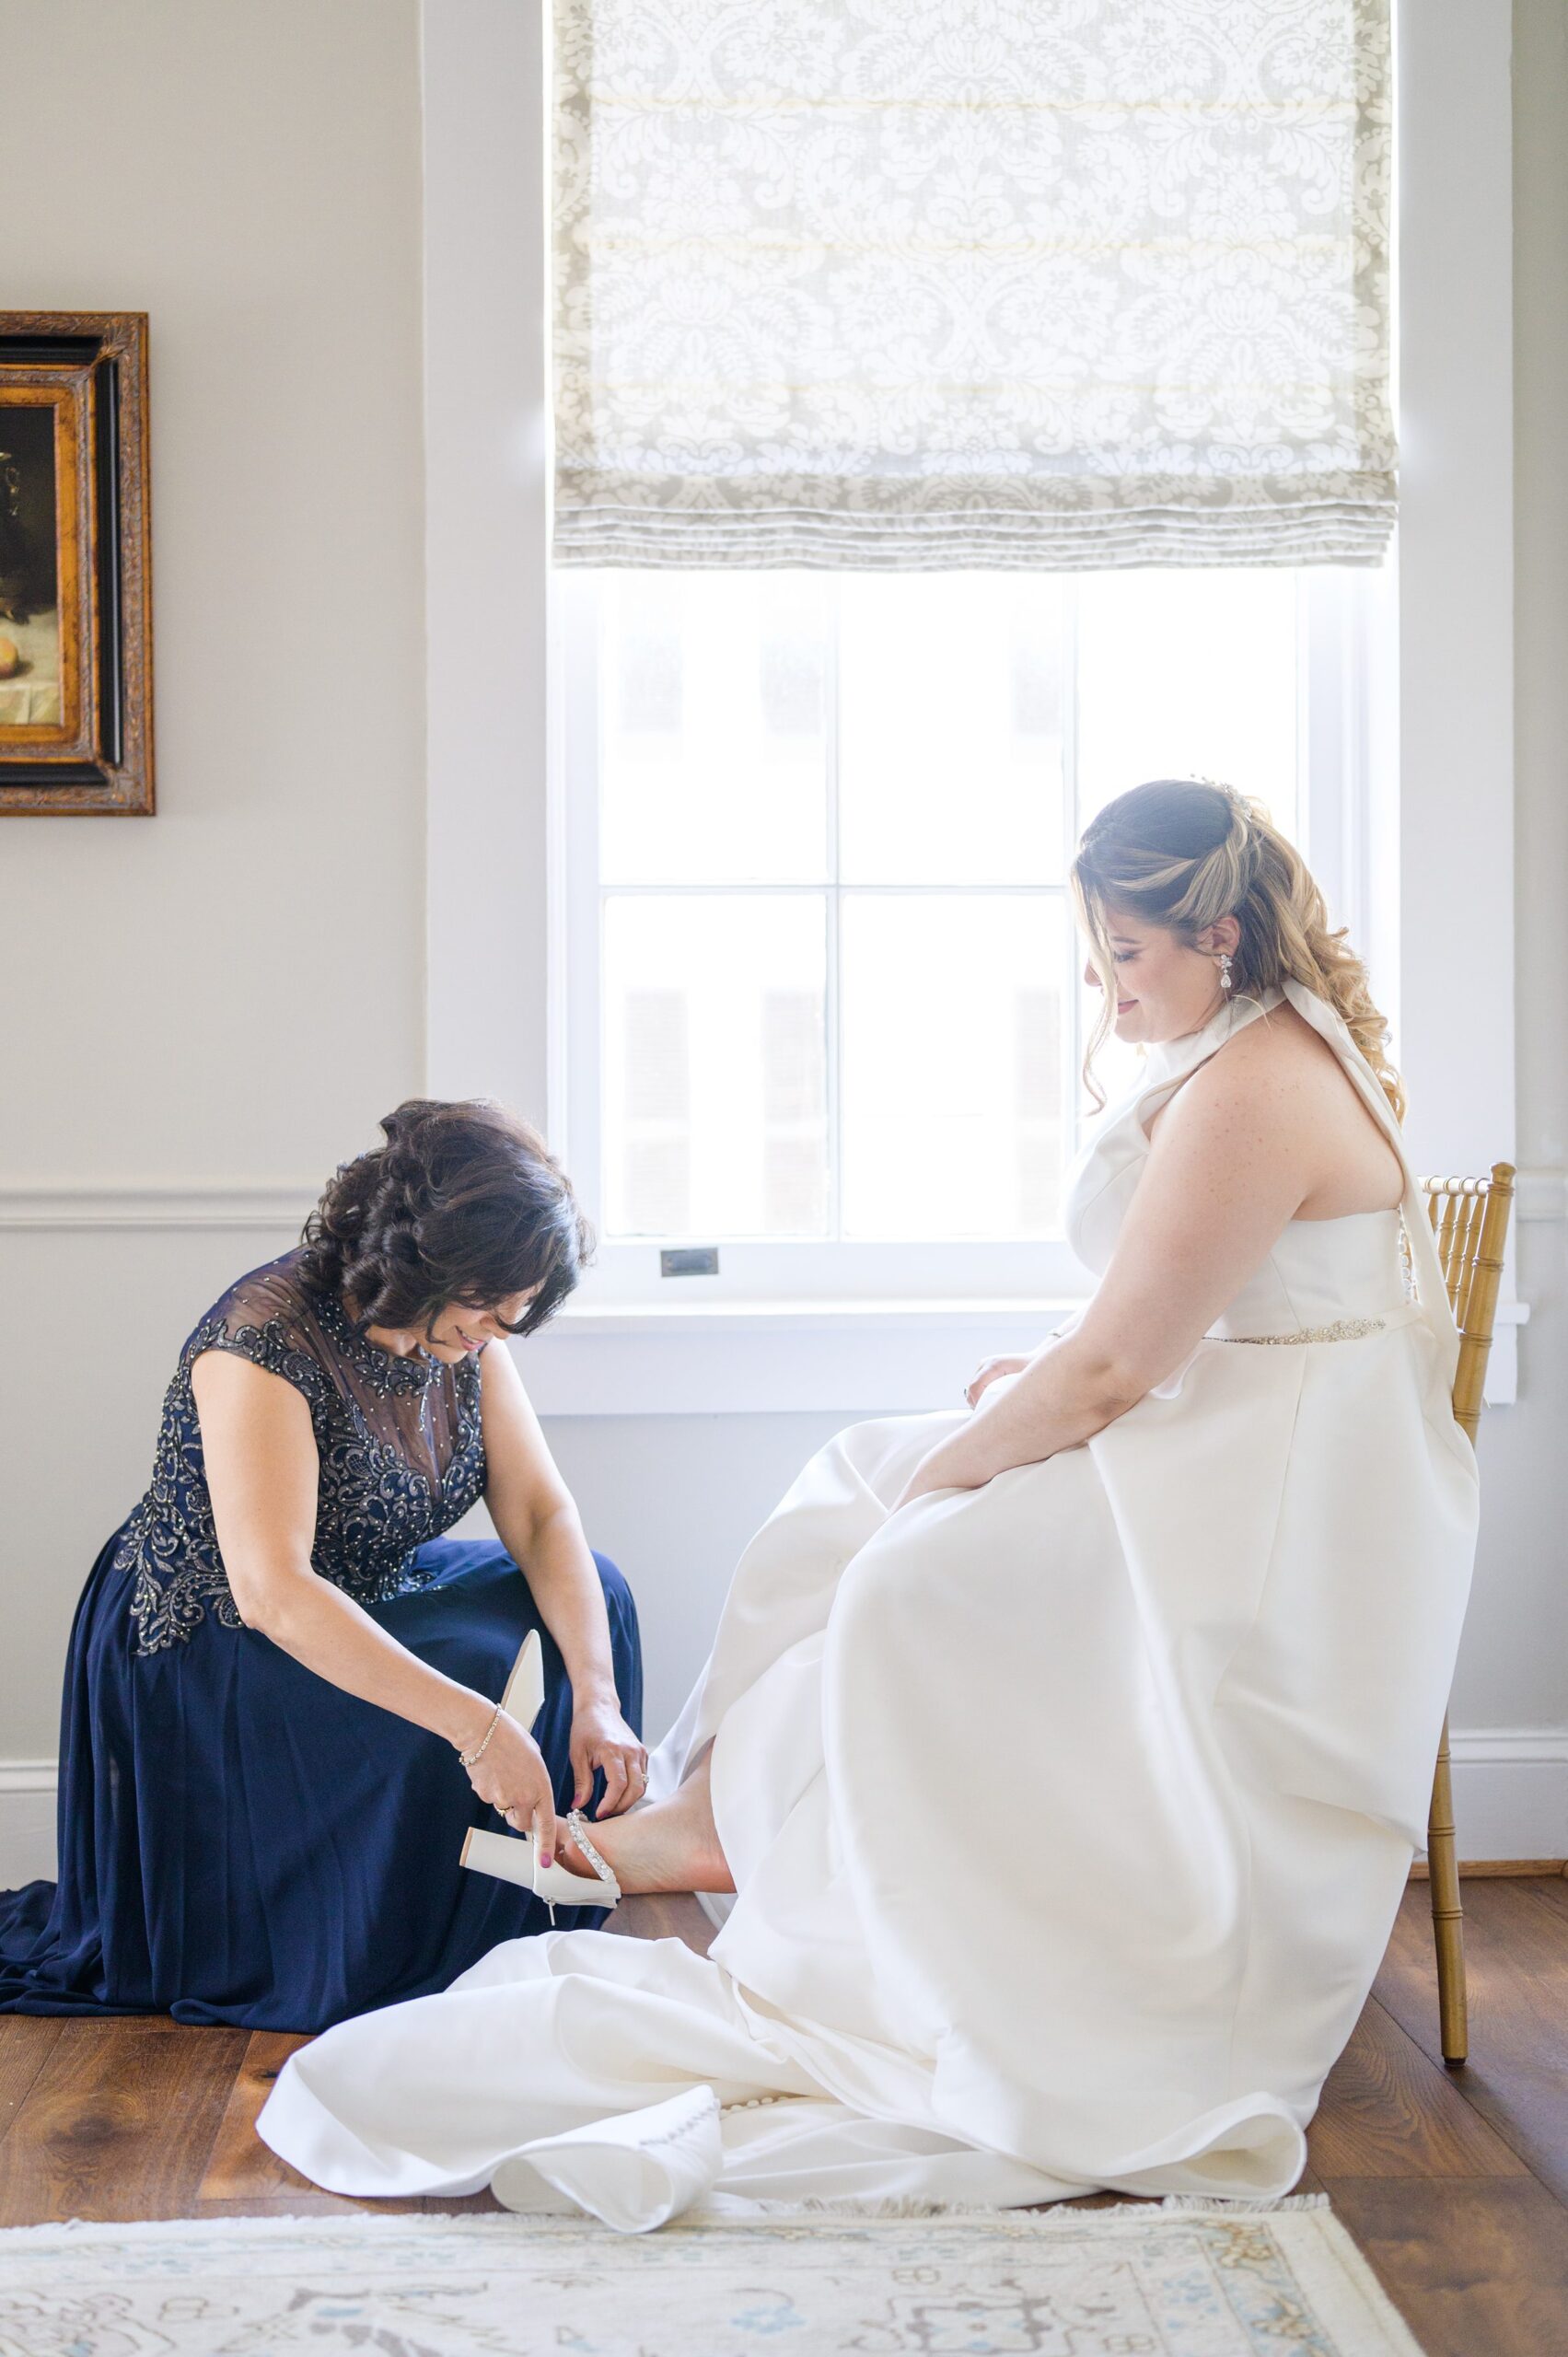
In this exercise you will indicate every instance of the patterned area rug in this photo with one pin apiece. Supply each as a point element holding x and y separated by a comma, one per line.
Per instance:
<point>1177,2279</point>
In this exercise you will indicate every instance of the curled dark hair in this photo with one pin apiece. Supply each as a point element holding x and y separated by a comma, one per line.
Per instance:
<point>463,1204</point>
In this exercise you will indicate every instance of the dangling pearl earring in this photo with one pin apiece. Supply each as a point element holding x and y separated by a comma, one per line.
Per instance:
<point>1225,970</point>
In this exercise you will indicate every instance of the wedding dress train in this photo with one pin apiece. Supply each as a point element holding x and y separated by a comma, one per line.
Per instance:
<point>1068,1816</point>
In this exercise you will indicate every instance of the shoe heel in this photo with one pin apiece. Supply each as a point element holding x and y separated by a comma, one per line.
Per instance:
<point>511,1858</point>
<point>501,1855</point>
<point>523,1698</point>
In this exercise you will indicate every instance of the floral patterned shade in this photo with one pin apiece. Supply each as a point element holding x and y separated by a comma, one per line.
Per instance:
<point>1044,283</point>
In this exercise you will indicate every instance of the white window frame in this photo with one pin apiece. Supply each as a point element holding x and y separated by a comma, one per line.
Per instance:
<point>1338,688</point>
<point>1423,871</point>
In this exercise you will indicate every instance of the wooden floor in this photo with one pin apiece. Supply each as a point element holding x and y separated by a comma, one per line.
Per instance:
<point>1455,2184</point>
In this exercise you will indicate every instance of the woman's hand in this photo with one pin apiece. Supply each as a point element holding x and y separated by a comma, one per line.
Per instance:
<point>601,1738</point>
<point>940,1469</point>
<point>987,1372</point>
<point>512,1776</point>
<point>959,1462</point>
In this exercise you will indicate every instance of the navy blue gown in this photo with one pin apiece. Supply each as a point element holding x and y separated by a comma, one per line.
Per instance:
<point>239,1841</point>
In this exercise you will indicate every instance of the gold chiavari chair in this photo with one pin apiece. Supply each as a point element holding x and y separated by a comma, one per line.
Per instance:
<point>1469,1221</point>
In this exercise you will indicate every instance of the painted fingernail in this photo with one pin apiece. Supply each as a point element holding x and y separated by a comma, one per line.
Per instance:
<point>549,1861</point>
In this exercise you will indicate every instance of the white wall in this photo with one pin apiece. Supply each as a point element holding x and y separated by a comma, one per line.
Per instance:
<point>234,989</point>
<point>1514,1667</point>
<point>231,993</point>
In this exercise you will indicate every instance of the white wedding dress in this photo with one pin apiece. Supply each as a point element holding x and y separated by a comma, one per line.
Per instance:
<point>1068,1815</point>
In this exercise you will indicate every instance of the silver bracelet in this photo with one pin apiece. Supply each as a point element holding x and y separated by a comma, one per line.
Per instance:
<point>468,1758</point>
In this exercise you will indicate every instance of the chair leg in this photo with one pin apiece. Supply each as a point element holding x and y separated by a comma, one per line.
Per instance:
<point>1447,1916</point>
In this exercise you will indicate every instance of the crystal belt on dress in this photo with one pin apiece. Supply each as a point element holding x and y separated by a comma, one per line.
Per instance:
<point>1340,1329</point>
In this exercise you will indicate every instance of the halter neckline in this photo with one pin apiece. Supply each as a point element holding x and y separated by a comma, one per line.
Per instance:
<point>1163,1057</point>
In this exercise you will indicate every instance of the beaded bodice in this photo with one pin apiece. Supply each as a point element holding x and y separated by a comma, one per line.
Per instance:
<point>399,1440</point>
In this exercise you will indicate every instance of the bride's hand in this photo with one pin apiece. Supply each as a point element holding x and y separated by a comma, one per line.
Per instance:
<point>987,1372</point>
<point>947,1466</point>
<point>601,1738</point>
<point>512,1776</point>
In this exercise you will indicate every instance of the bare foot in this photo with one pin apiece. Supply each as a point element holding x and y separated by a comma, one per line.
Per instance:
<point>673,1845</point>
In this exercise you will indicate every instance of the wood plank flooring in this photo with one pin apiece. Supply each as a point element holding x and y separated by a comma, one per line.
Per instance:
<point>1455,2184</point>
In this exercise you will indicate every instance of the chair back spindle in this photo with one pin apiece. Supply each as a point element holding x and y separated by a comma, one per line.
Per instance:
<point>1469,1223</point>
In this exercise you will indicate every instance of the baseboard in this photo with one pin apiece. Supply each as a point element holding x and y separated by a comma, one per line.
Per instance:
<point>1510,1795</point>
<point>1474,1869</point>
<point>1510,1806</point>
<point>27,1821</point>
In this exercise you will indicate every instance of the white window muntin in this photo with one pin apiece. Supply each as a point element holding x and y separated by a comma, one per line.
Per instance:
<point>1337,677</point>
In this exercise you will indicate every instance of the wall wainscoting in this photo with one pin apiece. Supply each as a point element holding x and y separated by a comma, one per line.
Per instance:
<point>1541,1195</point>
<point>763,1358</point>
<point>150,1203</point>
<point>1510,1800</point>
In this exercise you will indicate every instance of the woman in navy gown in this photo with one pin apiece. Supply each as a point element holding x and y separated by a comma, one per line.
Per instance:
<point>281,1673</point>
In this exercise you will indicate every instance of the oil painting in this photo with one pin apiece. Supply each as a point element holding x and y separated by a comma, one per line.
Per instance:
<point>75,656</point>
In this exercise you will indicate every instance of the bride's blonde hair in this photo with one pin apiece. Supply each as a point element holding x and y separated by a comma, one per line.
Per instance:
<point>1182,854</point>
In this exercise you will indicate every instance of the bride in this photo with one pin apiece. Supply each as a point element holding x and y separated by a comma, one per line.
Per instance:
<point>1060,1760</point>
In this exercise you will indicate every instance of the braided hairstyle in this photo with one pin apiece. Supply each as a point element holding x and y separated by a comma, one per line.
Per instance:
<point>1182,854</point>
<point>463,1204</point>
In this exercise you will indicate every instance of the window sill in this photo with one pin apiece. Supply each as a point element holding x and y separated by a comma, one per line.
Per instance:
<point>817,1357</point>
<point>773,1357</point>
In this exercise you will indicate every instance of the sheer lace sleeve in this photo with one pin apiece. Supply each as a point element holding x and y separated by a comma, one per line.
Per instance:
<point>400,1444</point>
<point>266,1319</point>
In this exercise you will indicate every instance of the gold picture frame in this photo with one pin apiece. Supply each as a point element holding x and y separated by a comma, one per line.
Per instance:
<point>76,617</point>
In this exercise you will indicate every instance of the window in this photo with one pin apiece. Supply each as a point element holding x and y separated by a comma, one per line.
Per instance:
<point>824,995</point>
<point>1414,845</point>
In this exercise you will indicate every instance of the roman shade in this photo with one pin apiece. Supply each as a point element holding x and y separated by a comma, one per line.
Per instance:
<point>909,283</point>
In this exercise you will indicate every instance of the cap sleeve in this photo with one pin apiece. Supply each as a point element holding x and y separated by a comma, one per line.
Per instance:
<point>266,1320</point>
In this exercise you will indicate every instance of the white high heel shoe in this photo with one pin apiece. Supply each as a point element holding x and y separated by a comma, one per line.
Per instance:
<point>512,1857</point>
<point>523,1698</point>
